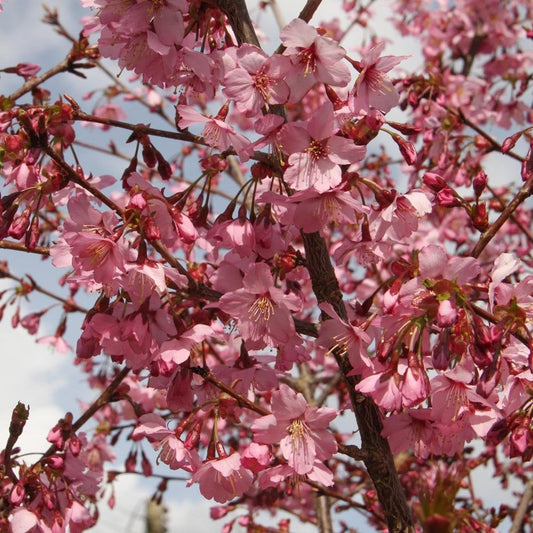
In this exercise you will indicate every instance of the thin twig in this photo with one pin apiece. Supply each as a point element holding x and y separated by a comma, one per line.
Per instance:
<point>496,146</point>
<point>68,304</point>
<point>525,192</point>
<point>514,218</point>
<point>277,14</point>
<point>105,397</point>
<point>65,65</point>
<point>19,247</point>
<point>522,509</point>
<point>241,400</point>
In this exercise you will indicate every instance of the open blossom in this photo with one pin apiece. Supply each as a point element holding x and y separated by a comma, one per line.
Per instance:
<point>216,132</point>
<point>346,339</point>
<point>98,255</point>
<point>314,58</point>
<point>301,431</point>
<point>223,479</point>
<point>316,152</point>
<point>143,36</point>
<point>173,450</point>
<point>373,88</point>
<point>311,210</point>
<point>257,81</point>
<point>262,310</point>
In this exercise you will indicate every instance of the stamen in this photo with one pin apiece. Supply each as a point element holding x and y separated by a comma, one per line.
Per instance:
<point>317,150</point>
<point>261,309</point>
<point>308,57</point>
<point>262,83</point>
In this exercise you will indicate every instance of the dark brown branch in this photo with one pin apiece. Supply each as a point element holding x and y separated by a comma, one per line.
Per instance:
<point>525,192</point>
<point>102,400</point>
<point>239,19</point>
<point>375,449</point>
<point>378,456</point>
<point>309,10</point>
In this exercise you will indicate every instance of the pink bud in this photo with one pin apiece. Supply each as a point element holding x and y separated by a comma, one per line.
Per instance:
<point>479,217</point>
<point>56,437</point>
<point>511,141</point>
<point>31,322</point>
<point>447,314</point>
<point>520,437</point>
<point>149,155</point>
<point>56,462</point>
<point>19,225</point>
<point>407,149</point>
<point>434,181</point>
<point>446,198</point>
<point>479,182</point>
<point>146,465</point>
<point>138,201</point>
<point>17,494</point>
<point>527,166</point>
<point>74,445</point>
<point>131,462</point>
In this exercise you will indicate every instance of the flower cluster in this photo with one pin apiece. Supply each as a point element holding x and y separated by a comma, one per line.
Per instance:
<point>284,239</point>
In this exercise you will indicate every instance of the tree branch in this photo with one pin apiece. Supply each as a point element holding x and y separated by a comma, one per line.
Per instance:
<point>379,459</point>
<point>525,192</point>
<point>522,509</point>
<point>19,247</point>
<point>102,400</point>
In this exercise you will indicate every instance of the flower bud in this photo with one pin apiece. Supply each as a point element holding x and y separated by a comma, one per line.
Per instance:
<point>17,494</point>
<point>479,183</point>
<point>446,314</point>
<point>407,149</point>
<point>511,141</point>
<point>447,198</point>
<point>434,181</point>
<point>479,217</point>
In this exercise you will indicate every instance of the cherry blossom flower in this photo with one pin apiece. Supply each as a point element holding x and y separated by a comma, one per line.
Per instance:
<point>345,338</point>
<point>257,81</point>
<point>314,58</point>
<point>216,132</point>
<point>316,152</point>
<point>301,431</point>
<point>223,479</point>
<point>311,210</point>
<point>142,36</point>
<point>262,310</point>
<point>173,450</point>
<point>384,389</point>
<point>372,87</point>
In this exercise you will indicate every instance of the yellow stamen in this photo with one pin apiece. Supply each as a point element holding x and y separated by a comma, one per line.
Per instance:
<point>261,309</point>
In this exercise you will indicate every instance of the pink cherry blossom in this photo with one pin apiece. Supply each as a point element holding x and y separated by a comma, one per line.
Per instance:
<point>373,89</point>
<point>314,59</point>
<point>257,81</point>
<point>261,309</point>
<point>315,152</point>
<point>216,132</point>
<point>223,479</point>
<point>300,430</point>
<point>346,339</point>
